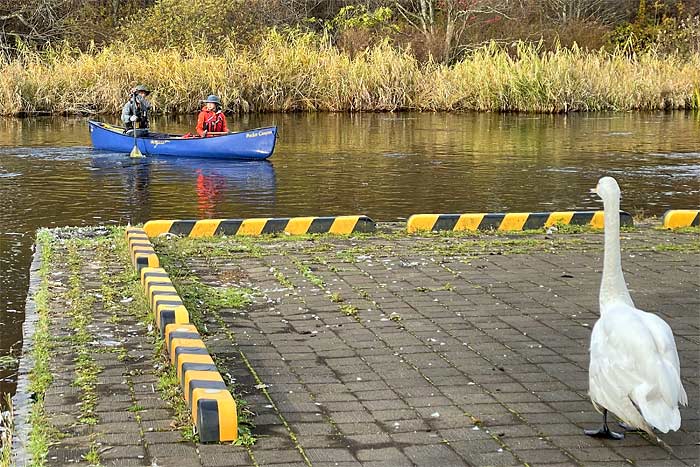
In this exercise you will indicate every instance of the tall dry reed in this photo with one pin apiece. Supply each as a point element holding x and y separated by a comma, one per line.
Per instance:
<point>306,74</point>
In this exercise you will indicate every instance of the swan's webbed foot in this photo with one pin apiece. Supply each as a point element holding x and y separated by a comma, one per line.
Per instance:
<point>604,432</point>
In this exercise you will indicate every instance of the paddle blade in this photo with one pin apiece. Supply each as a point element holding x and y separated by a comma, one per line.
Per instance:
<point>135,152</point>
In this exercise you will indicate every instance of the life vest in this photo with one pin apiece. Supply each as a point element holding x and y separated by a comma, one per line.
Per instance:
<point>214,121</point>
<point>139,107</point>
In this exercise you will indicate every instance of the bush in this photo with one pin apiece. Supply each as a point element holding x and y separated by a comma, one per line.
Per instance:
<point>178,24</point>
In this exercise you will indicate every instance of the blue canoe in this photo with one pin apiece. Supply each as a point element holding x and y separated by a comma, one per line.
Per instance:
<point>244,145</point>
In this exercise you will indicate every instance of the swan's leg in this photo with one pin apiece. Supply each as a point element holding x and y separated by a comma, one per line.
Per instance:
<point>604,431</point>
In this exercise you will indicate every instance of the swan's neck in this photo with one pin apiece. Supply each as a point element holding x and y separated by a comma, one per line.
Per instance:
<point>613,287</point>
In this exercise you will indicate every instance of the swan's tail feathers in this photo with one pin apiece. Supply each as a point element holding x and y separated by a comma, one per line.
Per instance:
<point>658,412</point>
<point>660,415</point>
<point>683,397</point>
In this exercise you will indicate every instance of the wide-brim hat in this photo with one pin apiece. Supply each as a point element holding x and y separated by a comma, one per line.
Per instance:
<point>213,99</point>
<point>143,88</point>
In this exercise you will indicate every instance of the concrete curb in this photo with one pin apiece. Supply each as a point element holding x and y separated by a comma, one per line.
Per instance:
<point>507,221</point>
<point>212,406</point>
<point>341,225</point>
<point>22,400</point>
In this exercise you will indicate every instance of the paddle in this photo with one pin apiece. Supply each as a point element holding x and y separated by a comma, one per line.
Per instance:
<point>135,152</point>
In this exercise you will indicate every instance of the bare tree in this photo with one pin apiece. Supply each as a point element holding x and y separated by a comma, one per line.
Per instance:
<point>41,22</point>
<point>446,21</point>
<point>599,11</point>
<point>32,23</point>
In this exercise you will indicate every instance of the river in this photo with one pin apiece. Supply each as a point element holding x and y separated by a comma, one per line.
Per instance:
<point>387,166</point>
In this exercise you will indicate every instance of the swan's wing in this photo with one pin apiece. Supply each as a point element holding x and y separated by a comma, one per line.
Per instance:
<point>613,373</point>
<point>668,354</point>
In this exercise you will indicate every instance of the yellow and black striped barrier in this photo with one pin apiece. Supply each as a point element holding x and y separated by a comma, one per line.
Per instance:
<point>507,221</point>
<point>212,405</point>
<point>141,250</point>
<point>195,379</point>
<point>156,283</point>
<point>290,225</point>
<point>677,218</point>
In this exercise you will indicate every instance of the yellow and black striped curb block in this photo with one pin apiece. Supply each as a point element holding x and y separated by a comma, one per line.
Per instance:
<point>141,250</point>
<point>677,218</point>
<point>212,406</point>
<point>507,221</point>
<point>290,225</point>
<point>187,360</point>
<point>166,306</point>
<point>201,379</point>
<point>214,413</point>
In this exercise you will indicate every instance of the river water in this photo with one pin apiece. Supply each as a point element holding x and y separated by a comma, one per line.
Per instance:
<point>387,166</point>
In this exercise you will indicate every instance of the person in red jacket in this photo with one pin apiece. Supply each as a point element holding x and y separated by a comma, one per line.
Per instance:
<point>211,120</point>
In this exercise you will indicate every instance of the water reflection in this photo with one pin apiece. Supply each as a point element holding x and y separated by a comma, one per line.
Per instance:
<point>387,166</point>
<point>216,184</point>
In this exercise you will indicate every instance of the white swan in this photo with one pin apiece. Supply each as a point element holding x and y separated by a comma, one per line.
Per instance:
<point>634,370</point>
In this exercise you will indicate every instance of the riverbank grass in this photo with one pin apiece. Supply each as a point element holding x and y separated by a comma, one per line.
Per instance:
<point>304,73</point>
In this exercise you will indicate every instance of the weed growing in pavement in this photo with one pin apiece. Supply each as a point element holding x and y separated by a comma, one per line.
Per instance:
<point>7,430</point>
<point>136,408</point>
<point>306,272</point>
<point>169,388</point>
<point>349,310</point>
<point>92,457</point>
<point>199,299</point>
<point>364,294</point>
<point>282,279</point>
<point>80,311</point>
<point>41,433</point>
<point>692,247</point>
<point>686,230</point>
<point>336,297</point>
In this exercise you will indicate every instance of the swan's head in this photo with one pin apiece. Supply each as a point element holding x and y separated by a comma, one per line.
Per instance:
<point>607,189</point>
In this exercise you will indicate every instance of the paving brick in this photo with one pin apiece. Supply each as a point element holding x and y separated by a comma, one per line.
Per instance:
<point>390,455</point>
<point>433,455</point>
<point>278,456</point>
<point>329,455</point>
<point>182,450</point>
<point>121,452</point>
<point>212,455</point>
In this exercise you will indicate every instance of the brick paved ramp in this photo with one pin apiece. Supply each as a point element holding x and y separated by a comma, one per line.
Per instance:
<point>387,351</point>
<point>457,355</point>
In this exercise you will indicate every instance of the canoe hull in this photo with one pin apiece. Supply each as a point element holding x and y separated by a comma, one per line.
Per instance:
<point>254,144</point>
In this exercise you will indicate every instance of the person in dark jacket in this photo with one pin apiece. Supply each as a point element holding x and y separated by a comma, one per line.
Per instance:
<point>135,111</point>
<point>211,120</point>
